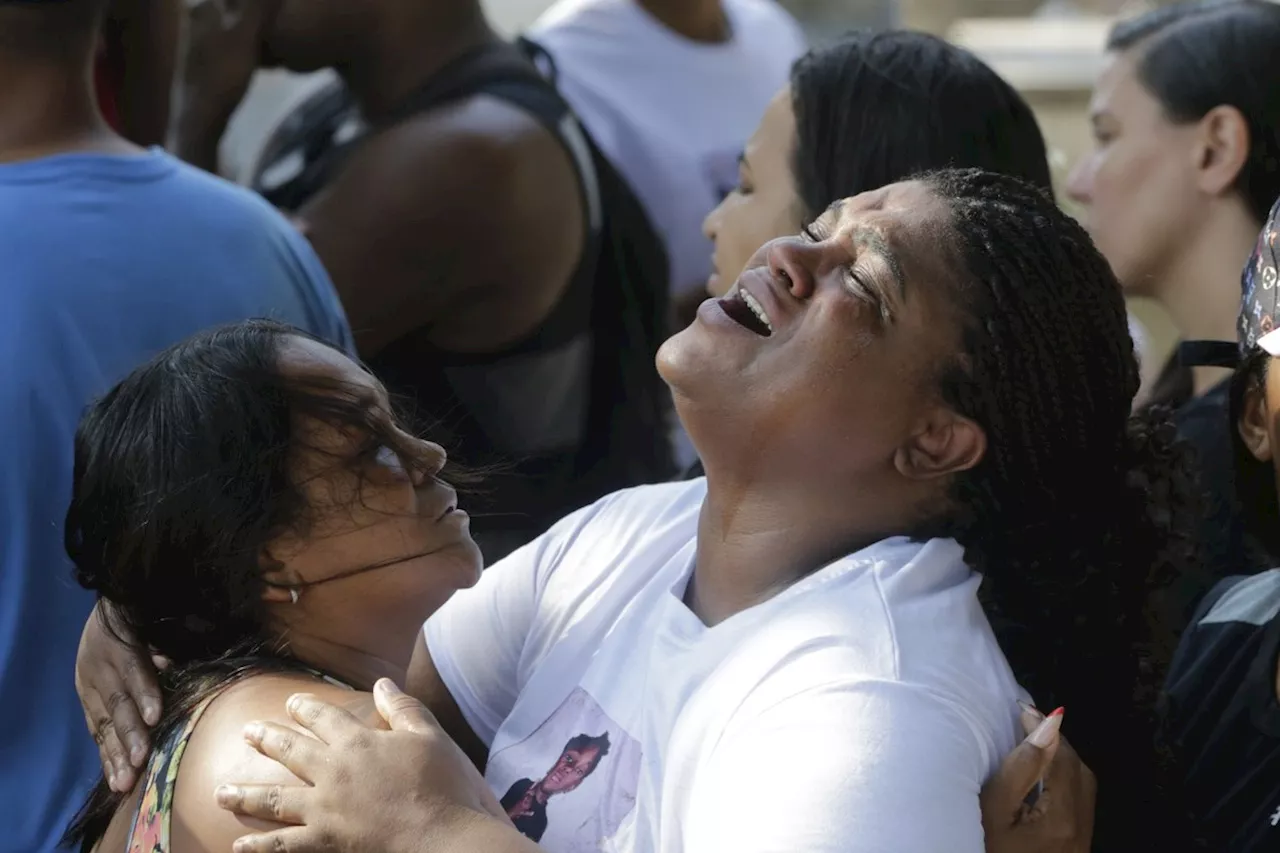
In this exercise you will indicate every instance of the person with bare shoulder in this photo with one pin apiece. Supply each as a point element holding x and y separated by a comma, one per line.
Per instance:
<point>428,197</point>
<point>247,506</point>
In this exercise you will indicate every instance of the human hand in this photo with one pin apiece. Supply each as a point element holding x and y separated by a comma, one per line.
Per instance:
<point>1060,819</point>
<point>407,790</point>
<point>120,697</point>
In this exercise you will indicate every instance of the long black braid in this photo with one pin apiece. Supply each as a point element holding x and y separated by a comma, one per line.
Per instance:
<point>1078,515</point>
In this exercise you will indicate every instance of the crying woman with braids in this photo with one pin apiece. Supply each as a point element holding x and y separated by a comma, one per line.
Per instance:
<point>924,500</point>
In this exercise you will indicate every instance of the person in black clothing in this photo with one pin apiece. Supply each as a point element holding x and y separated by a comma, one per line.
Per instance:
<point>461,233</point>
<point>1182,173</point>
<point>526,801</point>
<point>1220,711</point>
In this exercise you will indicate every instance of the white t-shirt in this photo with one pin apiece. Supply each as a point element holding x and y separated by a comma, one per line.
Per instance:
<point>671,114</point>
<point>859,710</point>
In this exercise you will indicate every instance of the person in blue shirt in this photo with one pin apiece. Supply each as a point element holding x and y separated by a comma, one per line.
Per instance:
<point>108,254</point>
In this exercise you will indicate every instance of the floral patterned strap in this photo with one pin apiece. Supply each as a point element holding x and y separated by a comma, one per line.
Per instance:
<point>150,833</point>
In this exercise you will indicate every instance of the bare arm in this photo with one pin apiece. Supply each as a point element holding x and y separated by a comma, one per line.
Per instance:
<point>218,754</point>
<point>409,790</point>
<point>470,213</point>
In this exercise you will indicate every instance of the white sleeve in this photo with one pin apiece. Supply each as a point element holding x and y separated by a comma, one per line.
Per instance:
<point>477,640</point>
<point>873,766</point>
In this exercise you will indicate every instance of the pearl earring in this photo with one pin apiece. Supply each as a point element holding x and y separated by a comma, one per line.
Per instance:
<point>293,596</point>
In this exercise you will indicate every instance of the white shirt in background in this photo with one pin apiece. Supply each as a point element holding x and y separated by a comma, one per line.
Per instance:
<point>671,114</point>
<point>859,710</point>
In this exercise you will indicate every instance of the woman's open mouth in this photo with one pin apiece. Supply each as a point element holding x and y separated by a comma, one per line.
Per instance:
<point>745,310</point>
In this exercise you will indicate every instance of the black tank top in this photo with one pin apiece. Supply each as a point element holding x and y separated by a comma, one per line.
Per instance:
<point>520,415</point>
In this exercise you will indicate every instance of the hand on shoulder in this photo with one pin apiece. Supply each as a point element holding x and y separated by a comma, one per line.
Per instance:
<point>217,753</point>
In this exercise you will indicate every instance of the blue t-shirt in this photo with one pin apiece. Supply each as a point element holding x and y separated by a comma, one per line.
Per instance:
<point>104,261</point>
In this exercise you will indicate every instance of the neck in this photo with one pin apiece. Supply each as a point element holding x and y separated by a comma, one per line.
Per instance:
<point>51,109</point>
<point>359,668</point>
<point>409,50</point>
<point>696,20</point>
<point>753,544</point>
<point>1201,291</point>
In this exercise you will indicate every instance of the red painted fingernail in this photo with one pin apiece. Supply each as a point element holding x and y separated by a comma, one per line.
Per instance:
<point>1047,732</point>
<point>1058,712</point>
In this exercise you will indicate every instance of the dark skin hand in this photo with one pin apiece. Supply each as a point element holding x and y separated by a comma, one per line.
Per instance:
<point>121,699</point>
<point>470,212</point>
<point>358,777</point>
<point>113,681</point>
<point>1061,818</point>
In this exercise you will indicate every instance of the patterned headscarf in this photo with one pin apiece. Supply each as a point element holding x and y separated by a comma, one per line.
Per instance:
<point>1259,322</point>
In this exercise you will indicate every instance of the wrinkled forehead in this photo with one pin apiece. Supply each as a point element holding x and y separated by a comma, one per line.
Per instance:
<point>907,223</point>
<point>902,214</point>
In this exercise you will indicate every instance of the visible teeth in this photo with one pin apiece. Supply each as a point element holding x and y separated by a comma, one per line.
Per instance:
<point>757,309</point>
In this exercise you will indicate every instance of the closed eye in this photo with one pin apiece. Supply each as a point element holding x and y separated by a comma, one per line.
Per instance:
<point>854,279</point>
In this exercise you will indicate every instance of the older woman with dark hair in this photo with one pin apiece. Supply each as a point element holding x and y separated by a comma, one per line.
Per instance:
<point>250,508</point>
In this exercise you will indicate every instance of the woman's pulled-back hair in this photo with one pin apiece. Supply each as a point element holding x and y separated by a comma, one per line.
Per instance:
<point>1194,57</point>
<point>182,479</point>
<point>878,107</point>
<point>1078,512</point>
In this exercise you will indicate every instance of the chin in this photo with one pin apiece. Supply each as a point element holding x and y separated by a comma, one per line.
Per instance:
<point>678,358</point>
<point>463,562</point>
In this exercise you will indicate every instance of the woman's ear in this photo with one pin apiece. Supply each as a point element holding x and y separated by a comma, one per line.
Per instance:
<point>1254,425</point>
<point>279,582</point>
<point>1222,149</point>
<point>946,444</point>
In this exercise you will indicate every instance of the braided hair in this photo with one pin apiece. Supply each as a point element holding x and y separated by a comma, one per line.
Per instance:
<point>1078,513</point>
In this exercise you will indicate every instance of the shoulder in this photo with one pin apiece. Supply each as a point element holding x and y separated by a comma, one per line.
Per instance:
<point>217,753</point>
<point>482,148</point>
<point>767,18</point>
<point>866,727</point>
<point>900,622</point>
<point>623,526</point>
<point>1231,620</point>
<point>1253,600</point>
<point>482,176</point>
<point>595,558</point>
<point>580,17</point>
<point>632,528</point>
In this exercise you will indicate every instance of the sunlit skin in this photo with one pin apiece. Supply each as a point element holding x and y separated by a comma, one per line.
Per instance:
<point>382,509</point>
<point>1136,186</point>
<point>1160,199</point>
<point>764,206</point>
<point>828,434</point>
